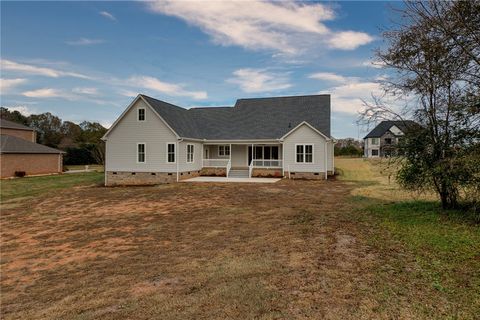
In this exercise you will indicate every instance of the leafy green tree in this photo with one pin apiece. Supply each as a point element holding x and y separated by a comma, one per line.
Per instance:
<point>48,128</point>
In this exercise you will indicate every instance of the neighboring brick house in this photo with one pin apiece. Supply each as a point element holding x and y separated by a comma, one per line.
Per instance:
<point>157,142</point>
<point>383,139</point>
<point>19,152</point>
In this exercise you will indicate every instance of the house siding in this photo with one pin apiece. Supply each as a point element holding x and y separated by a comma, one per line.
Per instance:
<point>197,156</point>
<point>22,134</point>
<point>31,164</point>
<point>304,135</point>
<point>330,151</point>
<point>369,146</point>
<point>121,145</point>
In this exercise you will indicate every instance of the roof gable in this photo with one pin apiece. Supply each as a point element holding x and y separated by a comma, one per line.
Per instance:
<point>130,106</point>
<point>385,126</point>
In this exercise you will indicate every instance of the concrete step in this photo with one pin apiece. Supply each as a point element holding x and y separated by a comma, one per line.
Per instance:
<point>236,173</point>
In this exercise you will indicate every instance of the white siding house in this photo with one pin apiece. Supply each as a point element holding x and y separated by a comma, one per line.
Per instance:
<point>156,142</point>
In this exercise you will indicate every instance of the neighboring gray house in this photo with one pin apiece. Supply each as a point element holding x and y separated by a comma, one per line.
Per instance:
<point>382,140</point>
<point>157,142</point>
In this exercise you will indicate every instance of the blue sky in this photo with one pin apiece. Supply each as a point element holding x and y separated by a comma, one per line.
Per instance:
<point>87,60</point>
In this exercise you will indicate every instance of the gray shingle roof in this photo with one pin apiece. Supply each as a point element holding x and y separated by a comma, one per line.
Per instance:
<point>11,144</point>
<point>384,126</point>
<point>13,125</point>
<point>259,118</point>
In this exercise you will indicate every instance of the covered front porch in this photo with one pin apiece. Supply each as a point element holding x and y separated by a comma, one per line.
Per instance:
<point>243,160</point>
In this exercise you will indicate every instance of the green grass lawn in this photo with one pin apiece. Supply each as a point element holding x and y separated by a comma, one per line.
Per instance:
<point>36,186</point>
<point>97,167</point>
<point>444,245</point>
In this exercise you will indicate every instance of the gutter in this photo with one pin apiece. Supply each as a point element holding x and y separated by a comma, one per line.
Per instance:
<point>177,153</point>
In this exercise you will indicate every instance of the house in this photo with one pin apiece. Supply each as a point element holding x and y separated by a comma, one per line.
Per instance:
<point>382,140</point>
<point>20,153</point>
<point>157,142</point>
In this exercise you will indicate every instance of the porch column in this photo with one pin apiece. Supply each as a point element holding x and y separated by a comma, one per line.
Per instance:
<point>253,154</point>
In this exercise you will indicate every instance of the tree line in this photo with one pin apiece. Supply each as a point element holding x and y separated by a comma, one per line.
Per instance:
<point>81,142</point>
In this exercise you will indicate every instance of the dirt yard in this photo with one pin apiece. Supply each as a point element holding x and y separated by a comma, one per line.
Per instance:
<point>290,250</point>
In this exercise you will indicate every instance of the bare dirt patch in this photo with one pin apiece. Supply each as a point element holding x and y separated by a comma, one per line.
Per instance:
<point>190,251</point>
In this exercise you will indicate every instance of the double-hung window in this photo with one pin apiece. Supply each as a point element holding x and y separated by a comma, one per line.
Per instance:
<point>141,152</point>
<point>304,153</point>
<point>223,150</point>
<point>171,152</point>
<point>190,153</point>
<point>141,114</point>
<point>375,141</point>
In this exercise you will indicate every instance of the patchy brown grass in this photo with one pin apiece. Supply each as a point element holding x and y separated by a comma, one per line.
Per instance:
<point>295,249</point>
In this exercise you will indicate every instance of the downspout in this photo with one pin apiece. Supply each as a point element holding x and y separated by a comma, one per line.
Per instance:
<point>326,159</point>
<point>177,155</point>
<point>105,164</point>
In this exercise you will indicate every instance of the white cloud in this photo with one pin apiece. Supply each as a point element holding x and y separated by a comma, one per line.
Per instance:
<point>259,80</point>
<point>8,84</point>
<point>26,111</point>
<point>349,94</point>
<point>349,40</point>
<point>43,93</point>
<point>84,90</point>
<point>128,93</point>
<point>171,89</point>
<point>108,15</point>
<point>328,76</point>
<point>286,27</point>
<point>373,64</point>
<point>84,42</point>
<point>8,65</point>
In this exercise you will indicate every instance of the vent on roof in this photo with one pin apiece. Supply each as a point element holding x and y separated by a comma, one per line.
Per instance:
<point>289,124</point>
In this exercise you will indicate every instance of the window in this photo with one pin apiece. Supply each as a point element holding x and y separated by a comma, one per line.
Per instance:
<point>374,152</point>
<point>388,140</point>
<point>189,153</point>
<point>141,114</point>
<point>170,152</point>
<point>141,152</point>
<point>304,153</point>
<point>375,141</point>
<point>223,150</point>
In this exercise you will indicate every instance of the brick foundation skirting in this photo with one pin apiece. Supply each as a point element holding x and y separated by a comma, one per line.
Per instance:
<point>213,172</point>
<point>306,175</point>
<point>267,173</point>
<point>123,178</point>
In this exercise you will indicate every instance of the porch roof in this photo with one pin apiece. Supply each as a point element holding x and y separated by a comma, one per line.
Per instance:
<point>249,119</point>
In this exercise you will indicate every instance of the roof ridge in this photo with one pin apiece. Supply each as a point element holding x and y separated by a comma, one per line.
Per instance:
<point>167,103</point>
<point>291,96</point>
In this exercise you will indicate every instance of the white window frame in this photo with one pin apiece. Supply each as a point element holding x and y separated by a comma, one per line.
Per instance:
<point>224,146</point>
<point>375,140</point>
<point>375,155</point>
<point>304,152</point>
<point>144,153</point>
<point>192,153</point>
<point>174,152</point>
<point>144,114</point>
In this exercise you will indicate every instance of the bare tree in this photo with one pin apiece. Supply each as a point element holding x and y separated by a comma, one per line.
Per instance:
<point>434,59</point>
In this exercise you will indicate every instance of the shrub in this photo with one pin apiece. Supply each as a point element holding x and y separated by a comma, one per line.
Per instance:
<point>20,174</point>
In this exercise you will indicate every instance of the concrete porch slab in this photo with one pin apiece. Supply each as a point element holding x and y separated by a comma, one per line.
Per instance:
<point>224,179</point>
